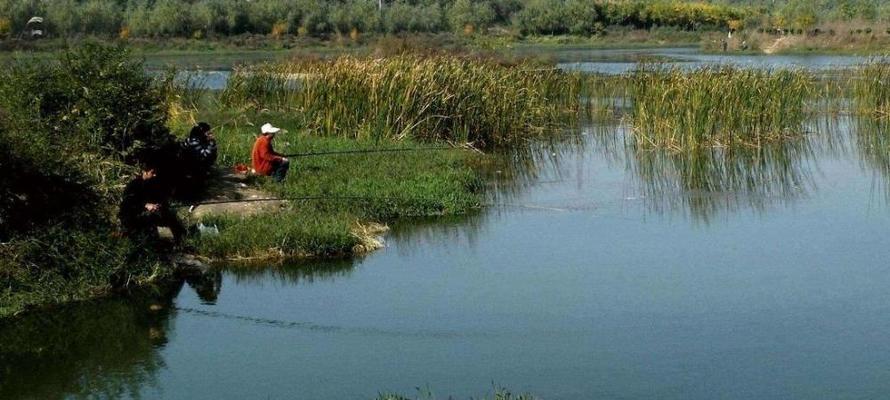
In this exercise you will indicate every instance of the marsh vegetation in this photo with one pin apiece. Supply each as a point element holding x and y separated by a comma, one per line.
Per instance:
<point>92,111</point>
<point>436,97</point>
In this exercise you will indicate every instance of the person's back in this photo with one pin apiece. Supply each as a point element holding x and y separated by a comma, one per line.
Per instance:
<point>262,155</point>
<point>264,158</point>
<point>199,149</point>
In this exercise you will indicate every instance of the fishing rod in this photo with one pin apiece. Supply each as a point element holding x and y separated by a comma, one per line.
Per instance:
<point>193,206</point>
<point>365,151</point>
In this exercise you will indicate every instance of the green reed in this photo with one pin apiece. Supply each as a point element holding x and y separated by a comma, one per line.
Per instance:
<point>871,88</point>
<point>717,106</point>
<point>429,98</point>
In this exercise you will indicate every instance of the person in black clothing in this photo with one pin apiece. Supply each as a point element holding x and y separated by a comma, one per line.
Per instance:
<point>199,150</point>
<point>197,154</point>
<point>145,207</point>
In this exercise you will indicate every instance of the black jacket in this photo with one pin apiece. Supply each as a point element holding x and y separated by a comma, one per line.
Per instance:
<point>137,194</point>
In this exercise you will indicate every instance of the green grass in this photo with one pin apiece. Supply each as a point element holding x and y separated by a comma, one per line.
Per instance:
<point>354,190</point>
<point>717,106</point>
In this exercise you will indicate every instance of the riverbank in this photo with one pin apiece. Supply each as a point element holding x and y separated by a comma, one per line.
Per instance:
<point>337,205</point>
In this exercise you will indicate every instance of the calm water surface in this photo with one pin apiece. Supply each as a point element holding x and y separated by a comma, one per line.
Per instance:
<point>607,273</point>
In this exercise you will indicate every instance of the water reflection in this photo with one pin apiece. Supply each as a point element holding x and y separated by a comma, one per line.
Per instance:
<point>294,273</point>
<point>872,140</point>
<point>512,171</point>
<point>461,231</point>
<point>708,181</point>
<point>105,349</point>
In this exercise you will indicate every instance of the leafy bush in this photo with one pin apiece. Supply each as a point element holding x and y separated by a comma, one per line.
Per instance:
<point>68,130</point>
<point>150,18</point>
<point>466,13</point>
<point>547,17</point>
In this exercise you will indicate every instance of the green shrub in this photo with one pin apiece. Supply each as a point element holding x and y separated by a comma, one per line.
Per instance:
<point>68,128</point>
<point>466,13</point>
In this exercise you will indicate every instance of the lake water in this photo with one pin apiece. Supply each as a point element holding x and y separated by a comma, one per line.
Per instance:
<point>601,273</point>
<point>213,72</point>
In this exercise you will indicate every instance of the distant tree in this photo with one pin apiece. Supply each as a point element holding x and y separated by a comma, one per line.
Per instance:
<point>474,15</point>
<point>547,17</point>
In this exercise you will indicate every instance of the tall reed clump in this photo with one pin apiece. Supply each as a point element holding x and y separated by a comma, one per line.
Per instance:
<point>716,106</point>
<point>423,97</point>
<point>871,88</point>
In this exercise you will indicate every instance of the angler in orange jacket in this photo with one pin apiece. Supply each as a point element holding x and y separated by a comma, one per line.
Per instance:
<point>265,160</point>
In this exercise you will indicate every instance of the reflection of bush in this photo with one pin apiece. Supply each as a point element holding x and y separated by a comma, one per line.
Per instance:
<point>106,349</point>
<point>873,143</point>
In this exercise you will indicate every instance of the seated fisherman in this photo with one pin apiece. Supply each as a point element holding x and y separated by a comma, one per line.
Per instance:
<point>199,150</point>
<point>145,207</point>
<point>265,160</point>
<point>196,156</point>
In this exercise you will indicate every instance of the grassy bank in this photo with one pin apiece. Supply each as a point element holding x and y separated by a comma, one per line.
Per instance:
<point>347,103</point>
<point>91,115</point>
<point>349,193</point>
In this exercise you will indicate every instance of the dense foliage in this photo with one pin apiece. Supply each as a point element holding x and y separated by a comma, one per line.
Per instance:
<point>200,18</point>
<point>203,18</point>
<point>70,129</point>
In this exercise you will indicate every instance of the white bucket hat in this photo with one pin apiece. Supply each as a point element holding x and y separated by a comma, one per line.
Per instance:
<point>268,128</point>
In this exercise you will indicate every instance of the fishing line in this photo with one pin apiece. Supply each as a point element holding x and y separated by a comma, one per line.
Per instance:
<point>309,326</point>
<point>193,206</point>
<point>365,151</point>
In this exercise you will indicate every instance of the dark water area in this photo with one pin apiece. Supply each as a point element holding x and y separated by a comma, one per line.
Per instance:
<point>603,272</point>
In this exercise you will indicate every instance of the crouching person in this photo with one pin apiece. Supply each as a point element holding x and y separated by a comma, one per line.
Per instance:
<point>265,160</point>
<point>145,207</point>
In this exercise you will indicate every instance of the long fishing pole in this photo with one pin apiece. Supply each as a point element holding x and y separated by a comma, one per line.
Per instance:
<point>396,150</point>
<point>193,206</point>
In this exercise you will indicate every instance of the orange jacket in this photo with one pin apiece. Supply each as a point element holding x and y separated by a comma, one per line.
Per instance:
<point>263,155</point>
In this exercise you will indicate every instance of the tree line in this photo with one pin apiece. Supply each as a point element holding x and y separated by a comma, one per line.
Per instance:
<point>207,18</point>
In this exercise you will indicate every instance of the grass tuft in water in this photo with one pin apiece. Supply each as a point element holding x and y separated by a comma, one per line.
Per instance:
<point>716,106</point>
<point>437,97</point>
<point>871,88</point>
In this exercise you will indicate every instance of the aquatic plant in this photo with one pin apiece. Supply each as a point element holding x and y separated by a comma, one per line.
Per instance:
<point>436,97</point>
<point>871,88</point>
<point>716,106</point>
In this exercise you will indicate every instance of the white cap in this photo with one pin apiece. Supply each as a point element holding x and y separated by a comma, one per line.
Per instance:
<point>268,128</point>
